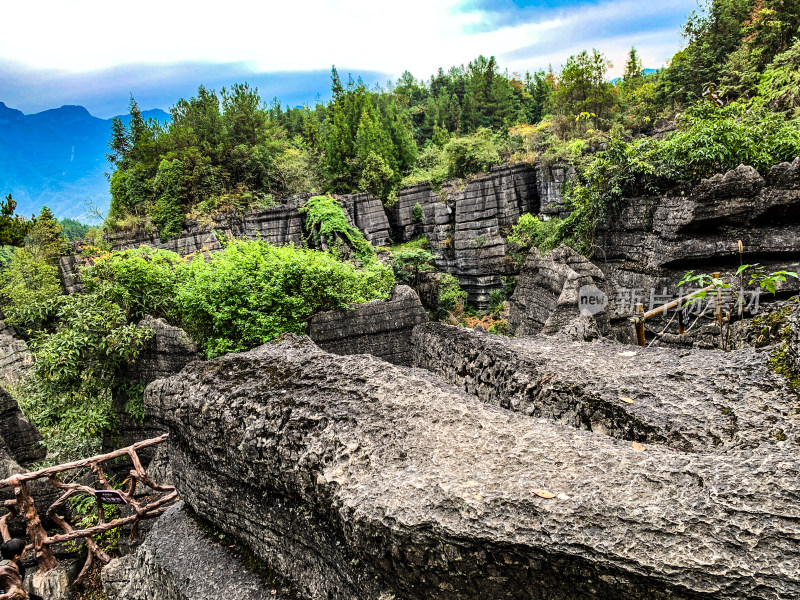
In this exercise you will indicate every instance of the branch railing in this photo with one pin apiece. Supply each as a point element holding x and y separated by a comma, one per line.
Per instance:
<point>22,505</point>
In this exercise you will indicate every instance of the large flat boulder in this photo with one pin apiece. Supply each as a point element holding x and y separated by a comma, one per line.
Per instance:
<point>359,479</point>
<point>381,328</point>
<point>22,439</point>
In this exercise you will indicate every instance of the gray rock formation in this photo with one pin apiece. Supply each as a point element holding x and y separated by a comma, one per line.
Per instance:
<point>550,181</point>
<point>465,228</point>
<point>180,561</point>
<point>359,479</point>
<point>656,395</point>
<point>69,270</point>
<point>653,241</point>
<point>366,213</point>
<point>561,293</point>
<point>794,340</point>
<point>22,440</point>
<point>279,225</point>
<point>164,354</point>
<point>15,358</point>
<point>381,328</point>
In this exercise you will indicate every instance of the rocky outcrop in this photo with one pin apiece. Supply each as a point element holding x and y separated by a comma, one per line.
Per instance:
<point>654,396</point>
<point>164,354</point>
<point>561,293</point>
<point>69,270</point>
<point>653,241</point>
<point>22,439</point>
<point>15,358</point>
<point>279,225</point>
<point>359,479</point>
<point>366,213</point>
<point>550,180</point>
<point>381,328</point>
<point>180,561</point>
<point>794,341</point>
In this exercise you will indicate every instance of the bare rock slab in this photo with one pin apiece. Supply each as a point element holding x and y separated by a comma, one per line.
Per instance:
<point>178,561</point>
<point>359,479</point>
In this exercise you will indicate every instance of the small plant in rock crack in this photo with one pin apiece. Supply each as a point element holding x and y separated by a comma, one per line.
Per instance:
<point>766,281</point>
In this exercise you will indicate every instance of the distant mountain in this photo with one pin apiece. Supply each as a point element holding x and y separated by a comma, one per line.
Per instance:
<point>57,158</point>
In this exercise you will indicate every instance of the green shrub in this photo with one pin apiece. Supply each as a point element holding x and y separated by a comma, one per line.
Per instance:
<point>531,232</point>
<point>327,224</point>
<point>141,281</point>
<point>409,262</point>
<point>450,294</point>
<point>416,213</point>
<point>470,154</point>
<point>252,292</point>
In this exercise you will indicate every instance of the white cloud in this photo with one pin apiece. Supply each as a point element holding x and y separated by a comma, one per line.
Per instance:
<point>419,35</point>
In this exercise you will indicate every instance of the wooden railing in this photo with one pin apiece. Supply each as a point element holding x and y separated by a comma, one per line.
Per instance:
<point>22,505</point>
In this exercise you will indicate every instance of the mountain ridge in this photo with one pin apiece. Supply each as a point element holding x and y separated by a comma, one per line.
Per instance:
<point>56,158</point>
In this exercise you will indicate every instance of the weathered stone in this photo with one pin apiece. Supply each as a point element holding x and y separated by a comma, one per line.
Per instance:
<point>56,584</point>
<point>178,561</point>
<point>652,242</point>
<point>22,439</point>
<point>550,181</point>
<point>794,341</point>
<point>366,213</point>
<point>15,358</point>
<point>357,478</point>
<point>69,270</point>
<point>381,328</point>
<point>164,354</point>
<point>655,395</point>
<point>401,214</point>
<point>546,299</point>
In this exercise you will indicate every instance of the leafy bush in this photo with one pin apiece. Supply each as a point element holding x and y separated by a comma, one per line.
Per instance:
<point>409,263</point>
<point>471,153</point>
<point>416,213</point>
<point>252,291</point>
<point>530,231</point>
<point>141,281</point>
<point>450,294</point>
<point>327,224</point>
<point>26,283</point>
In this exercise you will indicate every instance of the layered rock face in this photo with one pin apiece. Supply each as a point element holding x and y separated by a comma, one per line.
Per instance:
<point>178,561</point>
<point>653,241</point>
<point>794,341</point>
<point>709,402</point>
<point>366,213</point>
<point>15,358</point>
<point>550,181</point>
<point>381,328</point>
<point>22,440</point>
<point>561,293</point>
<point>164,354</point>
<point>464,226</point>
<point>358,479</point>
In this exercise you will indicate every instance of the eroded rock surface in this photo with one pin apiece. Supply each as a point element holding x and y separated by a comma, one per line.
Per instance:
<point>178,561</point>
<point>366,213</point>
<point>546,299</point>
<point>164,354</point>
<point>794,341</point>
<point>22,439</point>
<point>690,401</point>
<point>15,358</point>
<point>359,479</point>
<point>381,328</point>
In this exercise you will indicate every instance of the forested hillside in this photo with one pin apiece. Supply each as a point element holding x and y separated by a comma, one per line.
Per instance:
<point>732,93</point>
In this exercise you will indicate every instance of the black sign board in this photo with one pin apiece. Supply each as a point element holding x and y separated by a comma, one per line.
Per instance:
<point>683,316</point>
<point>109,497</point>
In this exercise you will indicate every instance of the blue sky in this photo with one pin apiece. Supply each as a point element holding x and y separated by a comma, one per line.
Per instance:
<point>97,53</point>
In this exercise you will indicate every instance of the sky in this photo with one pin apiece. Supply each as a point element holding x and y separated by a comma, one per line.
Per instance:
<point>97,53</point>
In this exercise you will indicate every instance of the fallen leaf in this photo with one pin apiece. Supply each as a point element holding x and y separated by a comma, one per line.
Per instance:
<point>543,493</point>
<point>626,399</point>
<point>637,446</point>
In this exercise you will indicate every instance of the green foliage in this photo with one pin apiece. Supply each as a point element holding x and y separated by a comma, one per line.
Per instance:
<point>766,281</point>
<point>408,263</point>
<point>582,87</point>
<point>470,154</point>
<point>26,283</point>
<point>450,294</point>
<point>416,213</point>
<point>531,232</point>
<point>251,292</point>
<point>329,228</point>
<point>85,509</point>
<point>13,228</point>
<point>74,230</point>
<point>80,343</point>
<point>141,281</point>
